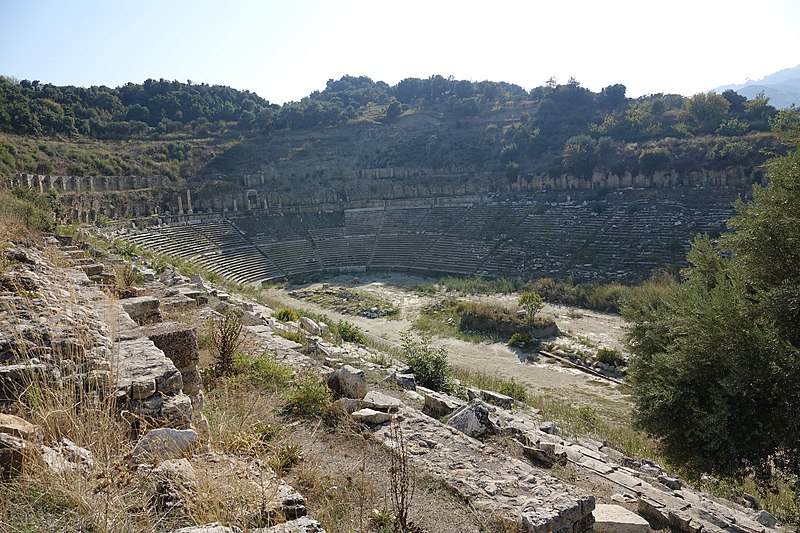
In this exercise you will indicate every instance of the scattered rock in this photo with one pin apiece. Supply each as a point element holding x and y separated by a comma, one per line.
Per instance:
<point>209,528</point>
<point>349,382</point>
<point>495,398</point>
<point>67,456</point>
<point>438,404</point>
<point>669,481</point>
<point>175,487</point>
<point>550,428</point>
<point>381,402</point>
<point>143,309</point>
<point>348,405</point>
<point>304,524</point>
<point>17,427</point>
<point>371,417</point>
<point>766,519</point>
<point>617,519</point>
<point>474,419</point>
<point>164,443</point>
<point>404,381</point>
<point>309,325</point>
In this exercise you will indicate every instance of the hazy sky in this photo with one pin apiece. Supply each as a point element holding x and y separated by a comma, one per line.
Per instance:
<point>285,50</point>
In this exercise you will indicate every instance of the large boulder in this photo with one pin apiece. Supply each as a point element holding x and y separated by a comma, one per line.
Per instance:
<point>143,309</point>
<point>349,382</point>
<point>309,325</point>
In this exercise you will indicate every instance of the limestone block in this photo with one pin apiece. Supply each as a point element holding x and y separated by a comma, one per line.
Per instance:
<point>550,428</point>
<point>309,325</point>
<point>349,382</point>
<point>474,419</point>
<point>209,528</point>
<point>617,519</point>
<point>92,269</point>
<point>17,427</point>
<point>404,381</point>
<point>348,405</point>
<point>495,398</point>
<point>140,361</point>
<point>175,486</point>
<point>381,402</point>
<point>438,404</point>
<point>164,443</point>
<point>766,519</point>
<point>143,309</point>
<point>177,341</point>
<point>371,417</point>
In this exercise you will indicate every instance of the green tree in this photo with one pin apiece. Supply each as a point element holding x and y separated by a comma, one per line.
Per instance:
<point>716,359</point>
<point>704,112</point>
<point>532,303</point>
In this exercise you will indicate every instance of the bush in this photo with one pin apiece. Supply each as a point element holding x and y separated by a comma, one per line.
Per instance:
<point>522,338</point>
<point>309,396</point>
<point>286,314</point>
<point>266,371</point>
<point>610,356</point>
<point>429,364</point>
<point>515,390</point>
<point>226,337</point>
<point>350,332</point>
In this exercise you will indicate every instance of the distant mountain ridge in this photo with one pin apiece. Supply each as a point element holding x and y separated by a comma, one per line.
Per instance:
<point>782,87</point>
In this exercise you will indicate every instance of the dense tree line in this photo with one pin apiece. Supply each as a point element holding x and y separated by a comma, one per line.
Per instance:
<point>562,110</point>
<point>555,128</point>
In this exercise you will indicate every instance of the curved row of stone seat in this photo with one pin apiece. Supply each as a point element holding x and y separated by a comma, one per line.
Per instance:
<point>621,232</point>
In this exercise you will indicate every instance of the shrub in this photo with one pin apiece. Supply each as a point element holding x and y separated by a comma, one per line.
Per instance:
<point>429,364</point>
<point>286,314</point>
<point>522,338</point>
<point>350,332</point>
<point>226,337</point>
<point>268,372</point>
<point>610,356</point>
<point>309,396</point>
<point>515,390</point>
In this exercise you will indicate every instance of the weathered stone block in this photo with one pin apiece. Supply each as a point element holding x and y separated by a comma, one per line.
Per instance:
<point>143,309</point>
<point>371,417</point>
<point>474,419</point>
<point>381,402</point>
<point>17,427</point>
<point>177,341</point>
<point>438,404</point>
<point>164,443</point>
<point>349,382</point>
<point>616,519</point>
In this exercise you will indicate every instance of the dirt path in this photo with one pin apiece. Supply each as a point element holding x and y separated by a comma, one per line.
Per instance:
<point>493,358</point>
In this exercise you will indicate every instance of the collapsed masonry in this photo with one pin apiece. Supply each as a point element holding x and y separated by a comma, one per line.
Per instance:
<point>60,329</point>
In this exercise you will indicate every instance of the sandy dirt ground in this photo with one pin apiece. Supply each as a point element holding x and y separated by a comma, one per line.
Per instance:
<point>542,377</point>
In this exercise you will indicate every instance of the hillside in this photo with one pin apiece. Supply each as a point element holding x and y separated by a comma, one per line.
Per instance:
<point>193,131</point>
<point>782,88</point>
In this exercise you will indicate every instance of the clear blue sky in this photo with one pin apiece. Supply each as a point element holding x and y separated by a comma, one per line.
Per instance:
<point>284,50</point>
